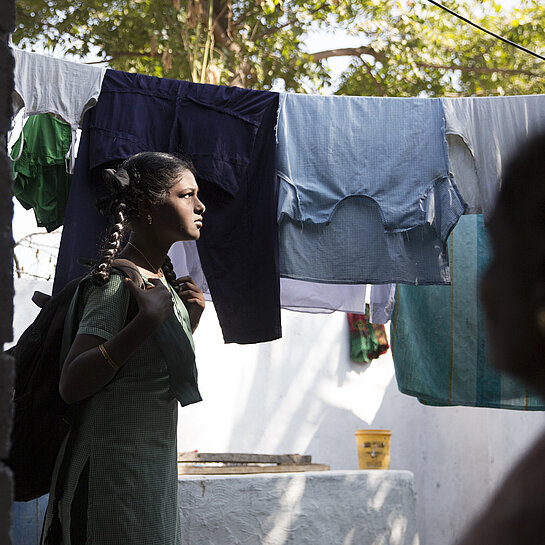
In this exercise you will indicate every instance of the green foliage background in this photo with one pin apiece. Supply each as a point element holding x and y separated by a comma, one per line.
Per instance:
<point>408,47</point>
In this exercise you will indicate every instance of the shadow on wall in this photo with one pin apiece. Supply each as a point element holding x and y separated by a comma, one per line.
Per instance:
<point>300,395</point>
<point>458,456</point>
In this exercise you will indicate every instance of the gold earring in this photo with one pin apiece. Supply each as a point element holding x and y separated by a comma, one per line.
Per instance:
<point>540,319</point>
<point>149,218</point>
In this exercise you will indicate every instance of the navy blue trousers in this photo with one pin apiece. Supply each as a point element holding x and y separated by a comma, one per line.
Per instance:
<point>229,134</point>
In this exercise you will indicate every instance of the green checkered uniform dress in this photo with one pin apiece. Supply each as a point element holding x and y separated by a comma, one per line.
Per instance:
<point>125,442</point>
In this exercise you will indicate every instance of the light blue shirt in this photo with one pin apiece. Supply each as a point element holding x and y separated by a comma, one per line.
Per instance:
<point>365,190</point>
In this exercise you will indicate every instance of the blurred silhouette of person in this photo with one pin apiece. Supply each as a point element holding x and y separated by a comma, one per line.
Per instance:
<point>513,294</point>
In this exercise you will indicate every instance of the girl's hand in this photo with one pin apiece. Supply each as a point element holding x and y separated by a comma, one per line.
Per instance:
<point>154,303</point>
<point>193,299</point>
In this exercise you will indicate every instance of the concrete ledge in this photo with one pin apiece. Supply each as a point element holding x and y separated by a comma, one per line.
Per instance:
<point>314,508</point>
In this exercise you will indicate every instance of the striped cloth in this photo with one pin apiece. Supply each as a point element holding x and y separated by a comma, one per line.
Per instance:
<point>438,335</point>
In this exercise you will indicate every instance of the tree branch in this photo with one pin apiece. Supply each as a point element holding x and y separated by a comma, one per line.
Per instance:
<point>29,236</point>
<point>477,69</point>
<point>348,52</point>
<point>290,22</point>
<point>377,84</point>
<point>118,54</point>
<point>17,265</point>
<point>221,37</point>
<point>272,30</point>
<point>363,50</point>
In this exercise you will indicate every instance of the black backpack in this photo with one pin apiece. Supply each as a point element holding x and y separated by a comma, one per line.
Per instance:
<point>41,418</point>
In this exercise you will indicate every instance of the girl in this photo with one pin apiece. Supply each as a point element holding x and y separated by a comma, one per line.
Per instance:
<point>115,480</point>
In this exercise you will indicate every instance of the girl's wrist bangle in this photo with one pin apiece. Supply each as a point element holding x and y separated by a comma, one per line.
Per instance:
<point>107,357</point>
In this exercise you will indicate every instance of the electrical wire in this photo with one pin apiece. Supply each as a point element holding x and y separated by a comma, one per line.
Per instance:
<point>487,31</point>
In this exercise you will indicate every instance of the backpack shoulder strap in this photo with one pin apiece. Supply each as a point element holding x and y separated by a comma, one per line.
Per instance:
<point>129,269</point>
<point>120,266</point>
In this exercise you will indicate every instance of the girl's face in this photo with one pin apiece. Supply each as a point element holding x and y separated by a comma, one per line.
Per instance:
<point>179,217</point>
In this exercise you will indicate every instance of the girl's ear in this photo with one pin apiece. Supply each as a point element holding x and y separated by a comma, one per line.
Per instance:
<point>144,211</point>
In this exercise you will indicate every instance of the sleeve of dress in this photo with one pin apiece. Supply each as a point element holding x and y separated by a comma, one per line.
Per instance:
<point>105,308</point>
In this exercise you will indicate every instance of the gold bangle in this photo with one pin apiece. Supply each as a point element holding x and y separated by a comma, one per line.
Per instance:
<point>109,360</point>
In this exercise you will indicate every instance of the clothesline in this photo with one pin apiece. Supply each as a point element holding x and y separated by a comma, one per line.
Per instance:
<point>497,36</point>
<point>465,136</point>
<point>366,188</point>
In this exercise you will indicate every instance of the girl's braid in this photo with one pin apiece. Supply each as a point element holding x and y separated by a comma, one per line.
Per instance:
<point>170,275</point>
<point>101,271</point>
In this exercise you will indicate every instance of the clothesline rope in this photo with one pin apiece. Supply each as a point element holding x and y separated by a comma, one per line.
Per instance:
<point>509,42</point>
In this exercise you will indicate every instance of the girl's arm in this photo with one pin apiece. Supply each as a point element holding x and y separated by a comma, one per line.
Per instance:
<point>86,370</point>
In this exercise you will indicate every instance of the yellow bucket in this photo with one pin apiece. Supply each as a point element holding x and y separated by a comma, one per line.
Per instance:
<point>373,449</point>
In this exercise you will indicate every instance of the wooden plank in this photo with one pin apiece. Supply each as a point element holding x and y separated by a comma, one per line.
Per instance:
<point>233,457</point>
<point>248,470</point>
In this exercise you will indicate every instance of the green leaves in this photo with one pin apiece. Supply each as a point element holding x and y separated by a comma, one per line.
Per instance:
<point>432,53</point>
<point>407,48</point>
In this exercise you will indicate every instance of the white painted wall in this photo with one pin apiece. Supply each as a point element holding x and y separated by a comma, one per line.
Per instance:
<point>302,394</point>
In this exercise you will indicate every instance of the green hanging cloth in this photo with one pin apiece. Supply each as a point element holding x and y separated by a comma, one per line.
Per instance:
<point>367,341</point>
<point>39,168</point>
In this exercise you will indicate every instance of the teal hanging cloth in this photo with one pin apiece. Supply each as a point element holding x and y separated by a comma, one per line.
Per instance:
<point>438,336</point>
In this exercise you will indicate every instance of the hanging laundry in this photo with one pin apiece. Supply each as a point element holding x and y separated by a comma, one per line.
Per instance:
<point>314,298</point>
<point>300,296</point>
<point>438,335</point>
<point>185,260</point>
<point>463,171</point>
<point>228,133</point>
<point>367,341</point>
<point>40,178</point>
<point>365,190</point>
<point>381,303</point>
<point>485,132</point>
<point>46,84</point>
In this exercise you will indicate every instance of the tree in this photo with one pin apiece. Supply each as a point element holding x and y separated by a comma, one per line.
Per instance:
<point>407,47</point>
<point>249,43</point>
<point>421,49</point>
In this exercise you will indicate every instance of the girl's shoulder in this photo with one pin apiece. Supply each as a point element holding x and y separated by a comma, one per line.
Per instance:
<point>114,288</point>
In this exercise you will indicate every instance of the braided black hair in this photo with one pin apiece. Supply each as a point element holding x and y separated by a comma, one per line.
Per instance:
<point>144,177</point>
<point>101,270</point>
<point>170,275</point>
